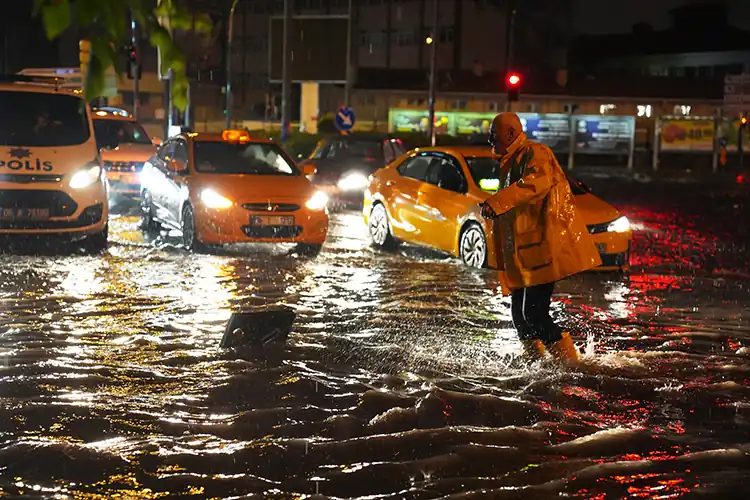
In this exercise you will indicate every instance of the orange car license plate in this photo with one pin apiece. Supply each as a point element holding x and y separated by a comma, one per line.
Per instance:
<point>271,220</point>
<point>19,214</point>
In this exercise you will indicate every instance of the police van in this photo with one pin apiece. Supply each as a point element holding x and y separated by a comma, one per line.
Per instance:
<point>51,176</point>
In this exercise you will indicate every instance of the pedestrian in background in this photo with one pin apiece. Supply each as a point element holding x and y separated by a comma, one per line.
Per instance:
<point>540,237</point>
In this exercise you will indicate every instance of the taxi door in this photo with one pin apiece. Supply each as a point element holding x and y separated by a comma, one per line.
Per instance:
<point>407,218</point>
<point>444,201</point>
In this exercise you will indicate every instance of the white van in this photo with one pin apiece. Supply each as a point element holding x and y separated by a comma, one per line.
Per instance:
<point>51,176</point>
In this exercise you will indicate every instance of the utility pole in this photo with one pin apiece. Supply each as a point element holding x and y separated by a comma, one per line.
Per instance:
<point>511,25</point>
<point>433,72</point>
<point>286,76</point>
<point>348,85</point>
<point>228,83</point>
<point>136,67</point>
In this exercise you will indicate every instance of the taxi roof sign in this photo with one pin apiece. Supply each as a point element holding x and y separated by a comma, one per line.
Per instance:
<point>231,135</point>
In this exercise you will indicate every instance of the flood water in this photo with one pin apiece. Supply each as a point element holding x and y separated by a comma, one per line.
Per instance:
<point>400,379</point>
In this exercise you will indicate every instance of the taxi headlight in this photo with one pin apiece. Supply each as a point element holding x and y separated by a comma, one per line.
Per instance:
<point>620,225</point>
<point>318,201</point>
<point>86,177</point>
<point>212,199</point>
<point>353,182</point>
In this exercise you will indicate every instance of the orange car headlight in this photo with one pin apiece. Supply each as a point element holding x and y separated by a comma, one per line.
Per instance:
<point>621,225</point>
<point>212,199</point>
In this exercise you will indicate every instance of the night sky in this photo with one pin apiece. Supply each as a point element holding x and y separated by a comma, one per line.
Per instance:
<point>618,16</point>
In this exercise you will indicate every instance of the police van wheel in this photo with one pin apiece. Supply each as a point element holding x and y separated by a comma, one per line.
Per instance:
<point>189,233</point>
<point>97,243</point>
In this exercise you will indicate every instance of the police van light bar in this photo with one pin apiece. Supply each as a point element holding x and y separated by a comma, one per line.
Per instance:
<point>51,80</point>
<point>104,110</point>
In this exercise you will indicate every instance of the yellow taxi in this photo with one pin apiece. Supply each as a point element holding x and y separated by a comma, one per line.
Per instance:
<point>431,197</point>
<point>230,188</point>
<point>124,147</point>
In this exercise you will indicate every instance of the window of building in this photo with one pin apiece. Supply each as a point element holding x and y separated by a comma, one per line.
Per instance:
<point>367,100</point>
<point>416,102</point>
<point>446,34</point>
<point>459,105</point>
<point>372,38</point>
<point>257,81</point>
<point>532,107</point>
<point>682,110</point>
<point>493,106</point>
<point>606,109</point>
<point>403,38</point>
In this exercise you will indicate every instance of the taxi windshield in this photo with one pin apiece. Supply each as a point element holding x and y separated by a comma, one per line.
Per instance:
<point>484,171</point>
<point>112,133</point>
<point>483,168</point>
<point>42,120</point>
<point>248,159</point>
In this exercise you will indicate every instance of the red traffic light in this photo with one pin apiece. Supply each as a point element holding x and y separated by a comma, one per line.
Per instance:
<point>514,79</point>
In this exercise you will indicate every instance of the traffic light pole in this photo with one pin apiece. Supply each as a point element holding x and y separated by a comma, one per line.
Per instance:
<point>433,73</point>
<point>228,83</point>
<point>509,45</point>
<point>286,73</point>
<point>136,67</point>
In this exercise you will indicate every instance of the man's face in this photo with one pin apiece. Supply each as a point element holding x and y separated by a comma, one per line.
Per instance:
<point>494,144</point>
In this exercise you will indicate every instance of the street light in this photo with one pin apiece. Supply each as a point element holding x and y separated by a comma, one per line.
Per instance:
<point>228,83</point>
<point>433,72</point>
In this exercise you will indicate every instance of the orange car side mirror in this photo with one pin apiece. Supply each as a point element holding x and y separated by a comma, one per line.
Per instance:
<point>309,169</point>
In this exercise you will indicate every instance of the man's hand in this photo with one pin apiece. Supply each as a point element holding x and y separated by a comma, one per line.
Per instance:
<point>487,211</point>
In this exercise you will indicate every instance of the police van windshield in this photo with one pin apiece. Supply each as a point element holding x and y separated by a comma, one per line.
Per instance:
<point>112,133</point>
<point>247,159</point>
<point>36,119</point>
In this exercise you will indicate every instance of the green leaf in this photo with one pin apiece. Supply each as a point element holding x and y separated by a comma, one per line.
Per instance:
<point>56,17</point>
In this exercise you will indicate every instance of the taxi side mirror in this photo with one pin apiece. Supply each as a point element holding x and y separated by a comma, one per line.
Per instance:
<point>176,166</point>
<point>156,141</point>
<point>309,169</point>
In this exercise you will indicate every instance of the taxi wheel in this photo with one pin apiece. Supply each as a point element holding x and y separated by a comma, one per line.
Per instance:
<point>97,243</point>
<point>380,230</point>
<point>473,246</point>
<point>189,235</point>
<point>309,250</point>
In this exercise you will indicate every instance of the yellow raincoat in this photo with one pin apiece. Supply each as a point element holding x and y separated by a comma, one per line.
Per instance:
<point>539,236</point>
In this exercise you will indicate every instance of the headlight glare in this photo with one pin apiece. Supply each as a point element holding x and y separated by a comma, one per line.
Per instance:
<point>318,201</point>
<point>212,199</point>
<point>620,225</point>
<point>353,182</point>
<point>86,177</point>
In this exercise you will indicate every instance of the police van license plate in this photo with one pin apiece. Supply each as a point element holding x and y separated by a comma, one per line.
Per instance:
<point>271,220</point>
<point>20,213</point>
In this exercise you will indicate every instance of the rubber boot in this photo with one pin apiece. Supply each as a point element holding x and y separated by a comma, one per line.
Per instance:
<point>564,350</point>
<point>533,350</point>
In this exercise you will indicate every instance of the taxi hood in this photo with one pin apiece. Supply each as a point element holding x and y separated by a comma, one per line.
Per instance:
<point>130,152</point>
<point>50,160</point>
<point>249,188</point>
<point>594,210</point>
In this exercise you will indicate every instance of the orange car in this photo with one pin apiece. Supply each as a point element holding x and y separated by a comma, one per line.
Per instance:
<point>431,197</point>
<point>228,188</point>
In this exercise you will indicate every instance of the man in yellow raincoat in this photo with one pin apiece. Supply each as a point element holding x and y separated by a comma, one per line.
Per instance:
<point>540,237</point>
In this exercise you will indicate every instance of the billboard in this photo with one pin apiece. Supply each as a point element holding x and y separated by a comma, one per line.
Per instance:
<point>318,48</point>
<point>594,133</point>
<point>604,134</point>
<point>408,120</point>
<point>683,134</point>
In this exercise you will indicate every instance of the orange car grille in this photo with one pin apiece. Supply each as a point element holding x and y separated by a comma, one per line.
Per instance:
<point>271,207</point>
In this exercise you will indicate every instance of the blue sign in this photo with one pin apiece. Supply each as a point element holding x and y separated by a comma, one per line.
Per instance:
<point>345,119</point>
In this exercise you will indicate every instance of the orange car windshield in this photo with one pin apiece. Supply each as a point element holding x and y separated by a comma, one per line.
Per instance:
<point>245,159</point>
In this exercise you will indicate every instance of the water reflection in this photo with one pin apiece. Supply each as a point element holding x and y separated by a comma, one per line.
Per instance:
<point>399,380</point>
